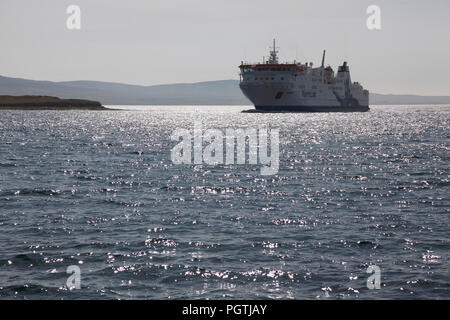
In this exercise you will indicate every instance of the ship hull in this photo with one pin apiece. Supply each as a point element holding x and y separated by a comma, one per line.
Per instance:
<point>281,97</point>
<point>300,108</point>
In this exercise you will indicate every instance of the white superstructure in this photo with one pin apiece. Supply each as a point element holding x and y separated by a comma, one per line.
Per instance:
<point>274,86</point>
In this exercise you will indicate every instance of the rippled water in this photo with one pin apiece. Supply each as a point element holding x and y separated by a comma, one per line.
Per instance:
<point>98,190</point>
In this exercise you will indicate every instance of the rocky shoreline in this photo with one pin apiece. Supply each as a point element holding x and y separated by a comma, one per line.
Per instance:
<point>47,103</point>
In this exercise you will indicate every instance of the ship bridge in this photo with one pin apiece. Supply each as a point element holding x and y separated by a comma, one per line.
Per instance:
<point>271,66</point>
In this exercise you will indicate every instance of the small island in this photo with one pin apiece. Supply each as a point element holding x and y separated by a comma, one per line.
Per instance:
<point>47,103</point>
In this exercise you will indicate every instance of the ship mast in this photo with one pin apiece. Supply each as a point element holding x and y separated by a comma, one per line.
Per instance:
<point>273,59</point>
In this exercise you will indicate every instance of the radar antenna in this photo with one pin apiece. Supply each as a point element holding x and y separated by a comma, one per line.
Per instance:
<point>273,59</point>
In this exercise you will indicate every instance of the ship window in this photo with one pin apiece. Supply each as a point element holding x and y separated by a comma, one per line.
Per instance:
<point>272,78</point>
<point>245,70</point>
<point>267,78</point>
<point>282,78</point>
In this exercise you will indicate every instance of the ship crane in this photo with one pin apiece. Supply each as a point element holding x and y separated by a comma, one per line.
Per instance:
<point>323,59</point>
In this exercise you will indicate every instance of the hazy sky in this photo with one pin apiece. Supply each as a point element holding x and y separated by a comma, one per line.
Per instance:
<point>171,41</point>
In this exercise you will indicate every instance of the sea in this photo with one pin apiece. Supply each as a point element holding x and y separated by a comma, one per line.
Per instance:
<point>92,206</point>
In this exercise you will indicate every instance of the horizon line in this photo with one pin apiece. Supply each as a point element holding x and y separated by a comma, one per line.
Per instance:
<point>198,82</point>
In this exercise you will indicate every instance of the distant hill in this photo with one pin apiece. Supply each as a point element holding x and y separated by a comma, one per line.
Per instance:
<point>376,98</point>
<point>222,92</point>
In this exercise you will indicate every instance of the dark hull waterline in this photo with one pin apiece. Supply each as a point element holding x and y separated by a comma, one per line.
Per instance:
<point>311,108</point>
